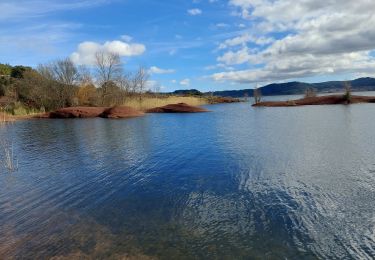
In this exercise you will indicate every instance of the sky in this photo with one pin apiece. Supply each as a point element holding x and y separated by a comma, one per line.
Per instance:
<point>203,44</point>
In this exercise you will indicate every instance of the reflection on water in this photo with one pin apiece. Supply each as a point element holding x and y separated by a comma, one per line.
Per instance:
<point>238,182</point>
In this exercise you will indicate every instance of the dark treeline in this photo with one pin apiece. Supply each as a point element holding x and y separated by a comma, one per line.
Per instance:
<point>62,84</point>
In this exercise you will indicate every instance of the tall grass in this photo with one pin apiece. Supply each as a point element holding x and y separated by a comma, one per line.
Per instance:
<point>7,156</point>
<point>9,160</point>
<point>18,109</point>
<point>152,102</point>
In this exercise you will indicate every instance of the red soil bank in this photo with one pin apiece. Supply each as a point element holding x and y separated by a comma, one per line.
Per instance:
<point>177,108</point>
<point>121,112</point>
<point>322,100</point>
<point>91,112</point>
<point>78,112</point>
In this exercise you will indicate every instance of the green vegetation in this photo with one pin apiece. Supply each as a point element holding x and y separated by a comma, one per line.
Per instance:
<point>5,70</point>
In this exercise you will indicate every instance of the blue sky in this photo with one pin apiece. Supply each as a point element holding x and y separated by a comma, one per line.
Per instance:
<point>203,44</point>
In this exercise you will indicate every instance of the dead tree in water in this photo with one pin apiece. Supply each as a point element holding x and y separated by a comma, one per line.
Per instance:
<point>348,92</point>
<point>257,95</point>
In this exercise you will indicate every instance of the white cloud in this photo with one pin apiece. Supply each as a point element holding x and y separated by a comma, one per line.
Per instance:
<point>156,70</point>
<point>85,54</point>
<point>155,86</point>
<point>22,9</point>
<point>245,38</point>
<point>185,82</point>
<point>222,25</point>
<point>194,11</point>
<point>219,66</point>
<point>235,58</point>
<point>301,66</point>
<point>126,38</point>
<point>318,37</point>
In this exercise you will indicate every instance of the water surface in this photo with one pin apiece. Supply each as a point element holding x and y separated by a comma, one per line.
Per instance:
<point>239,182</point>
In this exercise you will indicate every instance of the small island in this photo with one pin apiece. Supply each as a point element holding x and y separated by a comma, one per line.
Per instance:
<point>318,100</point>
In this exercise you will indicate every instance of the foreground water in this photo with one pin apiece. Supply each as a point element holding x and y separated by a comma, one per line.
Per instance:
<point>239,182</point>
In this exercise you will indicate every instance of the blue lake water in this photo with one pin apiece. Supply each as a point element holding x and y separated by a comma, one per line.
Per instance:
<point>236,183</point>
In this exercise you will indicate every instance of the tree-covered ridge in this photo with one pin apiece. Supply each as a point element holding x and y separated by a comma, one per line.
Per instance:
<point>298,88</point>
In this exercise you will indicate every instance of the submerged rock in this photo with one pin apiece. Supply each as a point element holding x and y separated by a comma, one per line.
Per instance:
<point>177,108</point>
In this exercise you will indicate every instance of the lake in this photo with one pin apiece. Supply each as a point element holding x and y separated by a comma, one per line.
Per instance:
<point>236,183</point>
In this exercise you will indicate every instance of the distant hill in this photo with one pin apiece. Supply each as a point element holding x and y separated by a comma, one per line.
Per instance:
<point>295,88</point>
<point>188,92</point>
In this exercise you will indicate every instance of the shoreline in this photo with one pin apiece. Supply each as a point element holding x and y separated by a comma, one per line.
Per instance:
<point>97,112</point>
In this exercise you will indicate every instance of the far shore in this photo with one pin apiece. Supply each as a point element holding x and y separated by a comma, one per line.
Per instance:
<point>318,100</point>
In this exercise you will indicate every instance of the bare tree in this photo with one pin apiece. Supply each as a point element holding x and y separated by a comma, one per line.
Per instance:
<point>65,71</point>
<point>61,75</point>
<point>348,91</point>
<point>139,81</point>
<point>109,75</point>
<point>85,76</point>
<point>46,71</point>
<point>108,66</point>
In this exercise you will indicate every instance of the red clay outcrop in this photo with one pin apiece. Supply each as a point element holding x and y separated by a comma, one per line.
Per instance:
<point>92,112</point>
<point>78,112</point>
<point>121,112</point>
<point>177,108</point>
<point>321,100</point>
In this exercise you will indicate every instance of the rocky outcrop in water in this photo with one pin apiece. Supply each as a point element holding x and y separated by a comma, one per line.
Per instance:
<point>177,108</point>
<point>322,100</point>
<point>78,112</point>
<point>121,112</point>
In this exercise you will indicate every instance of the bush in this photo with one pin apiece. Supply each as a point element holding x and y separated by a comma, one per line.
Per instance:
<point>87,95</point>
<point>19,110</point>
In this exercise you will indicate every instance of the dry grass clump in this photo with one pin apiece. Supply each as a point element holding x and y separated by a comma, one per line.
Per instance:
<point>8,161</point>
<point>7,156</point>
<point>146,103</point>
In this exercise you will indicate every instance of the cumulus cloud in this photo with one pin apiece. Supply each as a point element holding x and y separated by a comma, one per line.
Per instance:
<point>235,58</point>
<point>194,11</point>
<point>85,54</point>
<point>245,38</point>
<point>156,70</point>
<point>185,82</point>
<point>318,37</point>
